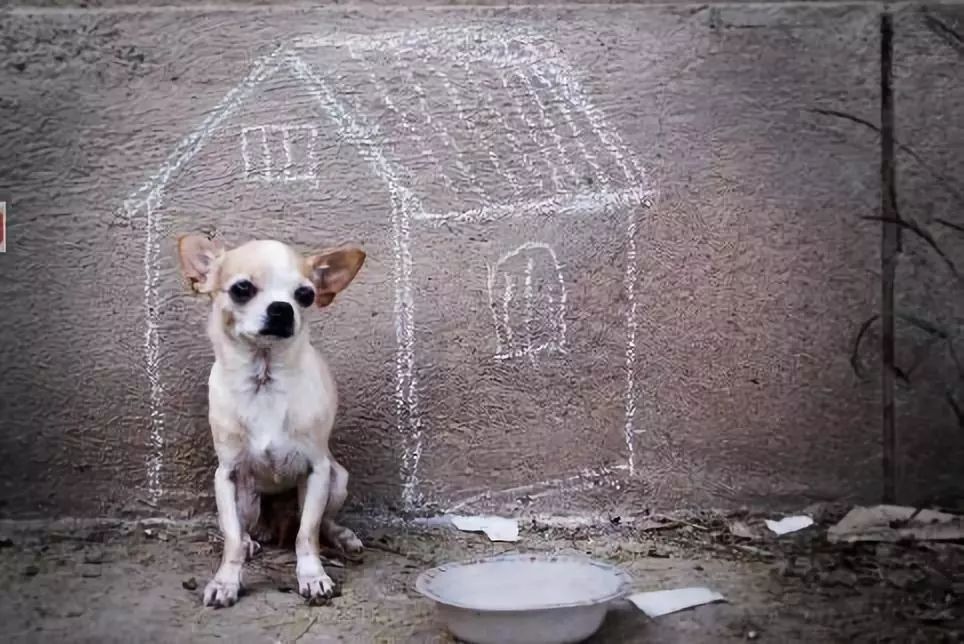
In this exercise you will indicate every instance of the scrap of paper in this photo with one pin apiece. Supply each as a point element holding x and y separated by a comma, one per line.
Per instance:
<point>495,528</point>
<point>786,525</point>
<point>664,602</point>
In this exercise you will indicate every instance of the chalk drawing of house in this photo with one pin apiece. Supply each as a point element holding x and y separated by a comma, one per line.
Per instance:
<point>545,99</point>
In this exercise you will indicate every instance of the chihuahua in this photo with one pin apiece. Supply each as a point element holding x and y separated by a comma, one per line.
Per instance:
<point>272,399</point>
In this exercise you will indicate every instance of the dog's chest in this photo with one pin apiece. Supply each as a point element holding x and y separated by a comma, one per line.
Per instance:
<point>273,457</point>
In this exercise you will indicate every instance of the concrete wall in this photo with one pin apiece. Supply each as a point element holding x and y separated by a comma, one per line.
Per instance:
<point>618,256</point>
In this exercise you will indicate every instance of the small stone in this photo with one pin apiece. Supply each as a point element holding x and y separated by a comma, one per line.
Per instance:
<point>31,571</point>
<point>635,548</point>
<point>189,584</point>
<point>742,530</point>
<point>74,612</point>
<point>885,550</point>
<point>839,577</point>
<point>94,557</point>
<point>90,573</point>
<point>6,542</point>
<point>784,569</point>
<point>752,635</point>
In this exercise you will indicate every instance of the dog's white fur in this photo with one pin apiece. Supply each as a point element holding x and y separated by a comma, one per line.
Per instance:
<point>272,403</point>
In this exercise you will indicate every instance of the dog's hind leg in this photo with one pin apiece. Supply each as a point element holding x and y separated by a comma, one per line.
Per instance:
<point>338,535</point>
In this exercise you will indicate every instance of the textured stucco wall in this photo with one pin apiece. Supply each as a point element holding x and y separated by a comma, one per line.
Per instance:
<point>663,199</point>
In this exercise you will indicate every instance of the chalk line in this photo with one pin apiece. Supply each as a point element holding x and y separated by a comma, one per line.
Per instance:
<point>506,328</point>
<point>436,42</point>
<point>446,135</point>
<point>557,485</point>
<point>152,356</point>
<point>531,128</point>
<point>266,155</point>
<point>550,126</point>
<point>403,117</point>
<point>576,133</point>
<point>441,130</point>
<point>404,203</point>
<point>584,204</point>
<point>245,158</point>
<point>474,132</point>
<point>286,173</point>
<point>527,321</point>
<point>510,133</point>
<point>148,198</point>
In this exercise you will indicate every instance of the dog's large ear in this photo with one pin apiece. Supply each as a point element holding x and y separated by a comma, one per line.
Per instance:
<point>333,270</point>
<point>198,254</point>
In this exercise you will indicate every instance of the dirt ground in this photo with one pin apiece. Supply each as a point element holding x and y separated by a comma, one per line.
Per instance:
<point>142,583</point>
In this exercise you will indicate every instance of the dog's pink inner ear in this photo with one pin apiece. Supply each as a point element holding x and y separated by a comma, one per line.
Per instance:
<point>332,271</point>
<point>197,254</point>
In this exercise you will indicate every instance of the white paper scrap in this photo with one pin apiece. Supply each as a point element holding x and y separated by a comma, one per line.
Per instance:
<point>495,528</point>
<point>787,525</point>
<point>664,602</point>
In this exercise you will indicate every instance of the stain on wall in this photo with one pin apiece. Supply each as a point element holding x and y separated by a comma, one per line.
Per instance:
<point>618,257</point>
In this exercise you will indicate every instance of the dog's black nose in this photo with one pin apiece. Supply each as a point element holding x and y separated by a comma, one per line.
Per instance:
<point>281,311</point>
<point>280,320</point>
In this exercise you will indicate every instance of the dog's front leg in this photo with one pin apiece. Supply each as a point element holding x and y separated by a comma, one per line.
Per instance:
<point>224,588</point>
<point>314,584</point>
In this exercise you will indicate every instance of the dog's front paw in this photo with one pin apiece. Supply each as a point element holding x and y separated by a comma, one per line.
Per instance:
<point>223,590</point>
<point>314,584</point>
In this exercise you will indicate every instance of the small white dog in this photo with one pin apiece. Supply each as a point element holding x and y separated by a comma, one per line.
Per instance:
<point>271,398</point>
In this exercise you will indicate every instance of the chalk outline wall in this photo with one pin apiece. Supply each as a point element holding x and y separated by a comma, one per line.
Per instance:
<point>485,43</point>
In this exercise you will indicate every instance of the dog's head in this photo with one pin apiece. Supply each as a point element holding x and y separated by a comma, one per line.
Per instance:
<point>262,289</point>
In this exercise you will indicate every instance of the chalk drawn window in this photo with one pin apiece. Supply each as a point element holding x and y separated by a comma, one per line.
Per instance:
<point>527,295</point>
<point>280,153</point>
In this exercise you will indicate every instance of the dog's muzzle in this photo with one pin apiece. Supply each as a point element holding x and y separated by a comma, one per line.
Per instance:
<point>279,321</point>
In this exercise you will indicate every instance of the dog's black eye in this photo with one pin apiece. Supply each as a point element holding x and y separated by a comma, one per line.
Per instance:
<point>304,296</point>
<point>242,291</point>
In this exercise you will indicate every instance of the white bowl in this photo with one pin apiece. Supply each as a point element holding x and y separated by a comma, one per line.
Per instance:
<point>524,599</point>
